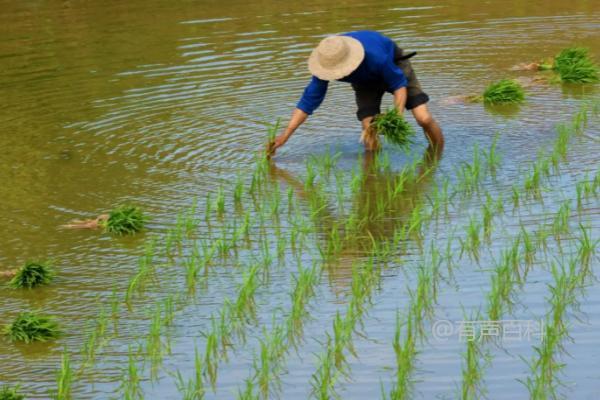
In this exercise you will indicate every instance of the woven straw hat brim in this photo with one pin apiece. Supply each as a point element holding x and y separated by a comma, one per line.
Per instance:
<point>346,67</point>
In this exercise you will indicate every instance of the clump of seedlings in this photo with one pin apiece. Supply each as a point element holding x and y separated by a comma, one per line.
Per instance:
<point>30,327</point>
<point>10,393</point>
<point>505,91</point>
<point>33,274</point>
<point>575,65</point>
<point>125,220</point>
<point>394,128</point>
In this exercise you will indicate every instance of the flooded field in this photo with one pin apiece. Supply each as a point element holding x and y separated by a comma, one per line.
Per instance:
<point>325,272</point>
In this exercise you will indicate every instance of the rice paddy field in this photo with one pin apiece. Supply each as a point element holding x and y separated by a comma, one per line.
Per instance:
<point>325,272</point>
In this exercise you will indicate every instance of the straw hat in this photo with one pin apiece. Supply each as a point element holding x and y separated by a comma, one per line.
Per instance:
<point>335,57</point>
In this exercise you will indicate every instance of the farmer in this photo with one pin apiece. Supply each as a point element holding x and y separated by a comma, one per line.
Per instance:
<point>373,64</point>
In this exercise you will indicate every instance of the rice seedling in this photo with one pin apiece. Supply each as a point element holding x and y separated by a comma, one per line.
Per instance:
<point>561,220</point>
<point>220,202</point>
<point>10,393</point>
<point>137,281</point>
<point>515,196</point>
<point>487,216</point>
<point>194,388</point>
<point>131,384</point>
<point>305,281</point>
<point>499,296</point>
<point>532,181</point>
<point>33,274</point>
<point>469,175</point>
<point>406,353</point>
<point>238,191</point>
<point>249,392</point>
<point>31,327</point>
<point>323,381</point>
<point>473,241</point>
<point>211,358</point>
<point>394,128</point>
<point>272,348</point>
<point>64,379</point>
<point>245,305</point>
<point>168,311</point>
<point>125,220</point>
<point>474,360</point>
<point>492,158</point>
<point>154,344</point>
<point>586,248</point>
<point>311,175</point>
<point>504,91</point>
<point>342,339</point>
<point>575,65</point>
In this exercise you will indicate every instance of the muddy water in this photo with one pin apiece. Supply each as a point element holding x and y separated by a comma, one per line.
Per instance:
<point>156,104</point>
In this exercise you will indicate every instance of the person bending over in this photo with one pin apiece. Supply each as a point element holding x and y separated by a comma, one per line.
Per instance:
<point>373,64</point>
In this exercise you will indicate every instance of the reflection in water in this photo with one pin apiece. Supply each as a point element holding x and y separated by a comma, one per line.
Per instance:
<point>381,200</point>
<point>145,102</point>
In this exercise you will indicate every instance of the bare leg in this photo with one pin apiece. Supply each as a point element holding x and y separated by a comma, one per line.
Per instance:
<point>432,130</point>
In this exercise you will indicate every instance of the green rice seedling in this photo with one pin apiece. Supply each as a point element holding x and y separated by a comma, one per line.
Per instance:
<point>561,220</point>
<point>131,384</point>
<point>533,180</point>
<point>473,239</point>
<point>303,290</point>
<point>504,91</point>
<point>575,65</point>
<point>31,327</point>
<point>211,358</point>
<point>586,248</point>
<point>487,216</point>
<point>125,220</point>
<point>394,128</point>
<point>474,360</point>
<point>154,344</point>
<point>238,191</point>
<point>492,158</point>
<point>311,175</point>
<point>64,379</point>
<point>193,389</point>
<point>529,247</point>
<point>406,353</point>
<point>515,196</point>
<point>220,202</point>
<point>207,207</point>
<point>323,381</point>
<point>561,142</point>
<point>249,392</point>
<point>469,175</point>
<point>10,393</point>
<point>342,337</point>
<point>33,274</point>
<point>245,306</point>
<point>499,296</point>
<point>272,349</point>
<point>168,311</point>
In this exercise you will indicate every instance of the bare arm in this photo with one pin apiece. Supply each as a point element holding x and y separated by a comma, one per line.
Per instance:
<point>400,99</point>
<point>297,119</point>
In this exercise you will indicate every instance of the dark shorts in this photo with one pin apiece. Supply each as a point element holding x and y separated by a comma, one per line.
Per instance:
<point>368,98</point>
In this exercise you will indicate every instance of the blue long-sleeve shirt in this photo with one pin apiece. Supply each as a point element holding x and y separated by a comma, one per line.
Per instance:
<point>378,66</point>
